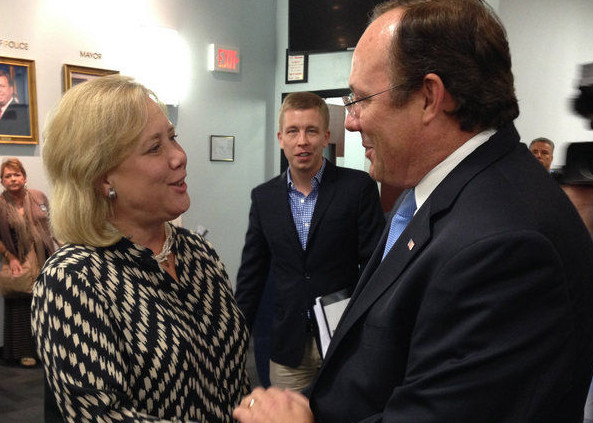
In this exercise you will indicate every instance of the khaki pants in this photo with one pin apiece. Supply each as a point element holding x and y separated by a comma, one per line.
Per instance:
<point>286,377</point>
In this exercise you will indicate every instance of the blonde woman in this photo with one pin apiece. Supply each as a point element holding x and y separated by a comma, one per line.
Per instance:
<point>134,318</point>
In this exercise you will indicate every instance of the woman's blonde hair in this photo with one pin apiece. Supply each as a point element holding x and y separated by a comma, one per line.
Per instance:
<point>93,130</point>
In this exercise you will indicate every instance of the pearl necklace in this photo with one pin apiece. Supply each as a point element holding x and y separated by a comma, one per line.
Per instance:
<point>163,256</point>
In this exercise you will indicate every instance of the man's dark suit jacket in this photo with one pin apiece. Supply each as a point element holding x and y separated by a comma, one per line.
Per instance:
<point>345,228</point>
<point>15,120</point>
<point>486,316</point>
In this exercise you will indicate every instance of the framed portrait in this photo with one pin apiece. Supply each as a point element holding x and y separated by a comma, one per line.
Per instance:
<point>18,101</point>
<point>74,75</point>
<point>222,148</point>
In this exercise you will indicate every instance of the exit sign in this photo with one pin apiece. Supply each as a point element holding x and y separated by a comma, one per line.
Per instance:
<point>224,59</point>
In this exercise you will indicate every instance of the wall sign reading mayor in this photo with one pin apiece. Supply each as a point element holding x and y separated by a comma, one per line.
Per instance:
<point>18,103</point>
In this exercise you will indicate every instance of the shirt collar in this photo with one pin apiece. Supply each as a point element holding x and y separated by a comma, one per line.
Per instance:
<point>317,176</point>
<point>436,175</point>
<point>6,105</point>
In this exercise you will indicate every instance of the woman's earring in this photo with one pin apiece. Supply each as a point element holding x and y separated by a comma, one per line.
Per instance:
<point>112,194</point>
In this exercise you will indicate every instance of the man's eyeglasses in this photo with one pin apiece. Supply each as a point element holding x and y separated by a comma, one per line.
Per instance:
<point>351,102</point>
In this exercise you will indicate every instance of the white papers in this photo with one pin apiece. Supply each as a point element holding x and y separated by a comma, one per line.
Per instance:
<point>328,311</point>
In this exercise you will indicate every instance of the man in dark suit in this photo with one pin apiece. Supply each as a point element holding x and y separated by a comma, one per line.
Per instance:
<point>314,227</point>
<point>481,310</point>
<point>14,117</point>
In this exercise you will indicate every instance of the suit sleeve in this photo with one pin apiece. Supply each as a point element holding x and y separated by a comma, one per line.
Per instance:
<point>371,222</point>
<point>494,338</point>
<point>254,268</point>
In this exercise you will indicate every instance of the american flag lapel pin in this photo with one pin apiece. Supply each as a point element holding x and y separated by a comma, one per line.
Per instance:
<point>411,244</point>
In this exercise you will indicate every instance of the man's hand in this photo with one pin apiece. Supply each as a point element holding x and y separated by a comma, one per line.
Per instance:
<point>274,406</point>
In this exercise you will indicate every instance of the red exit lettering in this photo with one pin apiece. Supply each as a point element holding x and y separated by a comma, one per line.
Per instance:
<point>227,59</point>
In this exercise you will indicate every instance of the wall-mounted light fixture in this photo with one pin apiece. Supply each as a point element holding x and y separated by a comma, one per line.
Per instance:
<point>163,63</point>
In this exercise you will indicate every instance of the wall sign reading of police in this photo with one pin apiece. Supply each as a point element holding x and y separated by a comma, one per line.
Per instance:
<point>15,45</point>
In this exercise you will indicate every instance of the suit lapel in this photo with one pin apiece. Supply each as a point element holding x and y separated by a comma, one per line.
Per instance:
<point>327,190</point>
<point>382,275</point>
<point>379,276</point>
<point>280,201</point>
<point>377,255</point>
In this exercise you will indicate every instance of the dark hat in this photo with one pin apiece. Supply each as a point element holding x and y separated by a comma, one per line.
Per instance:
<point>578,169</point>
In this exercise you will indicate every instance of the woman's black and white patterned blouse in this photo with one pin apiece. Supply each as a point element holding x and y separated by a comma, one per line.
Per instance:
<point>122,341</point>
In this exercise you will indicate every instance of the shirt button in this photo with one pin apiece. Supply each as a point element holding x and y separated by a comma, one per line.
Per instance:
<point>302,200</point>
<point>306,225</point>
<point>307,276</point>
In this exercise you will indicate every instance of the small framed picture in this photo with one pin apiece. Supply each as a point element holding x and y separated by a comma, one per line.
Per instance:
<point>74,75</point>
<point>297,65</point>
<point>18,101</point>
<point>222,148</point>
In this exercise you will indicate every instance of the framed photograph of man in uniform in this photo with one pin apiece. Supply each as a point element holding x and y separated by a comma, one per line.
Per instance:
<point>74,75</point>
<point>18,101</point>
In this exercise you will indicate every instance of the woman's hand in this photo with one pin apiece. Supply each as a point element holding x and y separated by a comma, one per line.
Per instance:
<point>273,406</point>
<point>15,265</point>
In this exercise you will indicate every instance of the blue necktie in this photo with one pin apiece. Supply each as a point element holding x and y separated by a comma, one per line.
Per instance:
<point>400,220</point>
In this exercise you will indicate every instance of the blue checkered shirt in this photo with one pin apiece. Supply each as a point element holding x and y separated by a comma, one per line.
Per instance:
<point>302,207</point>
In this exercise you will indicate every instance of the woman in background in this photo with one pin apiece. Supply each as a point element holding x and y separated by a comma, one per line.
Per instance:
<point>134,318</point>
<point>24,236</point>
